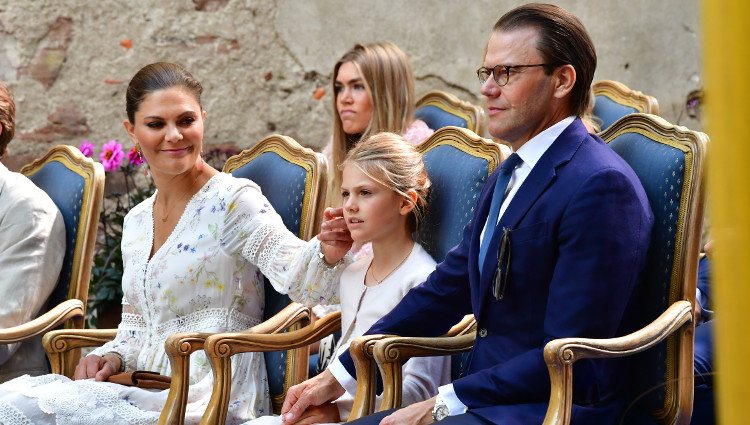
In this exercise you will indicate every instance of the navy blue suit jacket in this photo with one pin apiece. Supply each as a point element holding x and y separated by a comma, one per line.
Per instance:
<point>580,228</point>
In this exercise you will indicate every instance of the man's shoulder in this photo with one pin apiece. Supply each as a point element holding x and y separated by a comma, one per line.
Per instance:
<point>22,196</point>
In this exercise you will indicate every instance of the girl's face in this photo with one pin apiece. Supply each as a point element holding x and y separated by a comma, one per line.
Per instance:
<point>169,127</point>
<point>353,101</point>
<point>372,211</point>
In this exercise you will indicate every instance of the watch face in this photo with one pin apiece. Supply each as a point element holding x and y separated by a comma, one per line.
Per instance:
<point>441,412</point>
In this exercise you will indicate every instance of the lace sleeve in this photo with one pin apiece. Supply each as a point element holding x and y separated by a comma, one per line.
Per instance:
<point>128,340</point>
<point>292,265</point>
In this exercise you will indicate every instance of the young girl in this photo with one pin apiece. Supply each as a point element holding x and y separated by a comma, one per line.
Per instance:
<point>384,187</point>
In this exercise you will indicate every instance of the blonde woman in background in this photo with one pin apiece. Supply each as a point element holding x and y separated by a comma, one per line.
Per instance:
<point>373,88</point>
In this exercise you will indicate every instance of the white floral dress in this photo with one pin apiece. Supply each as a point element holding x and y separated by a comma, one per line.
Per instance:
<point>205,278</point>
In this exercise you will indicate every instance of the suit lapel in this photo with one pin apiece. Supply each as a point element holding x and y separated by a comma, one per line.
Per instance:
<point>541,177</point>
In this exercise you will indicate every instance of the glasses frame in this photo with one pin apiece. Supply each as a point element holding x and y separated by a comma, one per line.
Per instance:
<point>497,71</point>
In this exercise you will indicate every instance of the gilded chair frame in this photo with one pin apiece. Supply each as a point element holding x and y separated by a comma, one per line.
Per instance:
<point>475,117</point>
<point>676,323</point>
<point>72,311</point>
<point>624,95</point>
<point>314,164</point>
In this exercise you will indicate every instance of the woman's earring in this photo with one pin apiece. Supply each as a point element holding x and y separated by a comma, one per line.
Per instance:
<point>139,152</point>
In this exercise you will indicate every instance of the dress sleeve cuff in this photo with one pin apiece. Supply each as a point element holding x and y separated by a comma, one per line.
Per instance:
<point>449,397</point>
<point>339,372</point>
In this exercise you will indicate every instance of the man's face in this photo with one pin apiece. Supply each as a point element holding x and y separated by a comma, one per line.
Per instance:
<point>520,109</point>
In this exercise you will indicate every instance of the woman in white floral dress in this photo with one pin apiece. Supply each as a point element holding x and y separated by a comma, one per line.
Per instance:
<point>193,256</point>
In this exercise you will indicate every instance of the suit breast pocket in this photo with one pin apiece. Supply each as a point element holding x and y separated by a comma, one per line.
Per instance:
<point>529,232</point>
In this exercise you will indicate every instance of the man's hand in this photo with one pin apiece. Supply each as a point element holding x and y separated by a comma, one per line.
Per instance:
<point>334,236</point>
<point>314,392</point>
<point>415,414</point>
<point>97,367</point>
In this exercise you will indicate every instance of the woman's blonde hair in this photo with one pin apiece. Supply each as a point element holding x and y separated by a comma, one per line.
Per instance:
<point>388,78</point>
<point>393,162</point>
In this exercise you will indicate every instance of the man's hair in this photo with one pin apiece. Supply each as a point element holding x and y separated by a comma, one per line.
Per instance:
<point>563,40</point>
<point>7,117</point>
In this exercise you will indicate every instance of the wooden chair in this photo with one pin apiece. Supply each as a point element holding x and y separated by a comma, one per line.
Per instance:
<point>293,179</point>
<point>458,163</point>
<point>76,186</point>
<point>614,100</point>
<point>439,109</point>
<point>669,162</point>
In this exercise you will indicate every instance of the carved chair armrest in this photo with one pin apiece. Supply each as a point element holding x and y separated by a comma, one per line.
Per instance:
<point>220,348</point>
<point>560,354</point>
<point>362,353</point>
<point>364,365</point>
<point>42,324</point>
<point>181,345</point>
<point>391,353</point>
<point>63,346</point>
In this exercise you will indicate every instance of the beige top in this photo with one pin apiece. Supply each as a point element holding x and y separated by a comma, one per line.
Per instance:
<point>32,245</point>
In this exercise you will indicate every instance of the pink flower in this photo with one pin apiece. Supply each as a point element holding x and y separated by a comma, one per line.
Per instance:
<point>134,157</point>
<point>86,148</point>
<point>111,156</point>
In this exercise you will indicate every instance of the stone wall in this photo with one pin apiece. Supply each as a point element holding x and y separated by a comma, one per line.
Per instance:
<point>265,64</point>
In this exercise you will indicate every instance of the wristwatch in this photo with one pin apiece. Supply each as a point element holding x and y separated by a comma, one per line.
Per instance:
<point>440,411</point>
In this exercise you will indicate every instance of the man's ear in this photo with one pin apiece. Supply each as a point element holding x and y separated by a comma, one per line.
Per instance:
<point>407,206</point>
<point>565,79</point>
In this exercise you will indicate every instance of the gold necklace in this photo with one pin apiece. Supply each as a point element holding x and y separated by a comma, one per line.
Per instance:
<point>372,273</point>
<point>166,216</point>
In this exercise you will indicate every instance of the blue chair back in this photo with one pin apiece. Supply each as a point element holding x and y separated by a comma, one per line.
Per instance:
<point>668,160</point>
<point>439,109</point>
<point>292,178</point>
<point>76,186</point>
<point>614,100</point>
<point>458,163</point>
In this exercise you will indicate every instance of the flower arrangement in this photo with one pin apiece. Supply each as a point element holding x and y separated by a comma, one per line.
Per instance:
<point>128,183</point>
<point>105,287</point>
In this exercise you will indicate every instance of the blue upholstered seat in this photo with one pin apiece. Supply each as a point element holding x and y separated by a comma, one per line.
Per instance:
<point>439,109</point>
<point>76,186</point>
<point>668,160</point>
<point>290,177</point>
<point>614,100</point>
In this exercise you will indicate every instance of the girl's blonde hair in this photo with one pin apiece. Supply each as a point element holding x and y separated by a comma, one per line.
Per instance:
<point>393,162</point>
<point>388,78</point>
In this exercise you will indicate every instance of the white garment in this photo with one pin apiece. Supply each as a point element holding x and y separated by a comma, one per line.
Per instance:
<point>421,375</point>
<point>205,278</point>
<point>32,247</point>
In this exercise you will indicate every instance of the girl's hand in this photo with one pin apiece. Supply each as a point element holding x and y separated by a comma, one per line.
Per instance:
<point>334,236</point>
<point>97,367</point>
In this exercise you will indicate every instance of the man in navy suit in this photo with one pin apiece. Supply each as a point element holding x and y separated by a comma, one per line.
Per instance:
<point>557,243</point>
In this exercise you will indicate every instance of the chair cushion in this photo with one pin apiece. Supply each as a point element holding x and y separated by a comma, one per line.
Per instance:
<point>65,187</point>
<point>661,169</point>
<point>283,184</point>
<point>610,111</point>
<point>450,204</point>
<point>436,117</point>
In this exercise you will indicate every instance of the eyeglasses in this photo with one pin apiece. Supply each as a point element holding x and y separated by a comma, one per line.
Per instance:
<point>501,73</point>
<point>502,272</point>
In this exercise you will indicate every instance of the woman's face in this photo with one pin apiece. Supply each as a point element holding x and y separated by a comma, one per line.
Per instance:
<point>353,101</point>
<point>169,127</point>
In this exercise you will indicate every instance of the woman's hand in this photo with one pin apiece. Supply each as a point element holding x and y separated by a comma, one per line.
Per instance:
<point>325,413</point>
<point>98,367</point>
<point>335,239</point>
